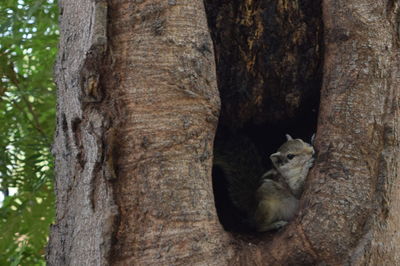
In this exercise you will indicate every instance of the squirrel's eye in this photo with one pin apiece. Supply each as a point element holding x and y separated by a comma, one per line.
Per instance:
<point>290,156</point>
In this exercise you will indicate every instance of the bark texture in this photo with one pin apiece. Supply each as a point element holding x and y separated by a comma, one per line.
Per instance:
<point>350,209</point>
<point>137,110</point>
<point>268,59</point>
<point>168,111</point>
<point>86,209</point>
<point>137,113</point>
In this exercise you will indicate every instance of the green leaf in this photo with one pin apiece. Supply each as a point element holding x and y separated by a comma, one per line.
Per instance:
<point>28,40</point>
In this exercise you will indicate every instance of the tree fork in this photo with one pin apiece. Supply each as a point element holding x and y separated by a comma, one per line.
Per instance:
<point>136,117</point>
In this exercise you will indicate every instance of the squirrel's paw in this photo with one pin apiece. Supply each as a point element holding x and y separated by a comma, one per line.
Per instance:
<point>278,225</point>
<point>274,226</point>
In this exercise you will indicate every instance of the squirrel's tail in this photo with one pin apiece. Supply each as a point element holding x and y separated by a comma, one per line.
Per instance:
<point>239,161</point>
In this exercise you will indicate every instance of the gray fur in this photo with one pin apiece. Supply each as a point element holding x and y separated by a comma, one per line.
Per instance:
<point>277,201</point>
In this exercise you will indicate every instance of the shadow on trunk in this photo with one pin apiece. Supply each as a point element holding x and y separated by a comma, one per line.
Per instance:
<point>269,67</point>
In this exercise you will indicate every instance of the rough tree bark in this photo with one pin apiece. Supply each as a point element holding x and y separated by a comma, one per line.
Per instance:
<point>137,113</point>
<point>137,110</point>
<point>269,55</point>
<point>350,210</point>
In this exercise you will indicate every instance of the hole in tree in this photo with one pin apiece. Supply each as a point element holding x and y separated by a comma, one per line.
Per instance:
<point>269,68</point>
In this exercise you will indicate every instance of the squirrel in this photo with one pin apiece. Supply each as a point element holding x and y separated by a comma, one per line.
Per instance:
<point>269,201</point>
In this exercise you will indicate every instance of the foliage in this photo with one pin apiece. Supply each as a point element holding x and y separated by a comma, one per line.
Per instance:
<point>28,39</point>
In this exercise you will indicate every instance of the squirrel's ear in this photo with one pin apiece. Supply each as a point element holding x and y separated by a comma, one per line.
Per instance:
<point>312,139</point>
<point>275,156</point>
<point>288,137</point>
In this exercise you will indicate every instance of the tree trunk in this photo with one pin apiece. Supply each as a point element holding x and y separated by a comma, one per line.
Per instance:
<point>137,110</point>
<point>137,114</point>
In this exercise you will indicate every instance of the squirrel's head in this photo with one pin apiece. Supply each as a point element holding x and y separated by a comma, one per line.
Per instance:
<point>293,159</point>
